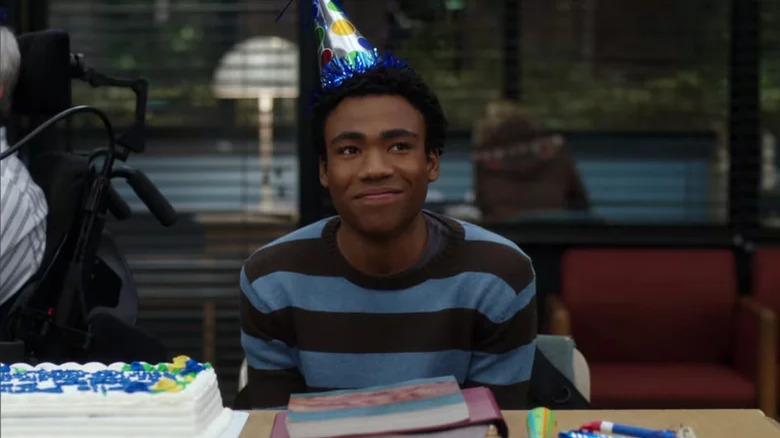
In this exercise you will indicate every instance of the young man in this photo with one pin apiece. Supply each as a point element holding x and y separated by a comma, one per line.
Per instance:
<point>385,291</point>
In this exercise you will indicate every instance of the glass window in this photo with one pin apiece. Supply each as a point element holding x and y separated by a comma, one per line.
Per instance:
<point>770,114</point>
<point>222,95</point>
<point>620,117</point>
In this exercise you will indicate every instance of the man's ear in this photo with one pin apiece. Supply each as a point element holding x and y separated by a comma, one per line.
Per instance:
<point>2,91</point>
<point>433,165</point>
<point>323,173</point>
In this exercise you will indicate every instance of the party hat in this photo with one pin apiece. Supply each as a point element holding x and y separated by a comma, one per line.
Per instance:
<point>343,51</point>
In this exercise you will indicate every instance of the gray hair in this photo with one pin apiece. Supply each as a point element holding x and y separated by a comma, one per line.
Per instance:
<point>10,59</point>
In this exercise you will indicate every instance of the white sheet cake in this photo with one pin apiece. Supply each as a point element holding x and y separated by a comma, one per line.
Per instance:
<point>178,399</point>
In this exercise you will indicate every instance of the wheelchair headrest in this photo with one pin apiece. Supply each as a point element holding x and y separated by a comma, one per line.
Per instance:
<point>44,86</point>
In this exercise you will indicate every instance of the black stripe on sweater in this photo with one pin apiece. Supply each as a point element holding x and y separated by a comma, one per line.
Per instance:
<point>337,332</point>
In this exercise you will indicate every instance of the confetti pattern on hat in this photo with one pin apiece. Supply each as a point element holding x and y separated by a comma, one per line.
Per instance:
<point>343,51</point>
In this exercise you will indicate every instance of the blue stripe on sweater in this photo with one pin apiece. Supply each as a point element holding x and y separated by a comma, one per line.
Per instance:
<point>483,292</point>
<point>472,232</point>
<point>503,369</point>
<point>476,233</point>
<point>269,298</point>
<point>268,355</point>
<point>355,370</point>
<point>312,231</point>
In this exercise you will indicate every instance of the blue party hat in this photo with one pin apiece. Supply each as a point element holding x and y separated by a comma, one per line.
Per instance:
<point>343,51</point>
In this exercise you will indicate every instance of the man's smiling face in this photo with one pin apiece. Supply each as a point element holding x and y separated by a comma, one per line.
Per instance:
<point>376,167</point>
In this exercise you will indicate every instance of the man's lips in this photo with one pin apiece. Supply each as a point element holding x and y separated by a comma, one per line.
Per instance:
<point>377,194</point>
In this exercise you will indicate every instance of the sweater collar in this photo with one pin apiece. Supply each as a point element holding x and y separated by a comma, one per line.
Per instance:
<point>404,279</point>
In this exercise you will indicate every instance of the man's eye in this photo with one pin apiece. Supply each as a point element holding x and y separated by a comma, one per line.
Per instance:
<point>348,150</point>
<point>401,146</point>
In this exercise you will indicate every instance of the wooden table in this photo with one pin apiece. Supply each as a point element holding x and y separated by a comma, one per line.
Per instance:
<point>706,423</point>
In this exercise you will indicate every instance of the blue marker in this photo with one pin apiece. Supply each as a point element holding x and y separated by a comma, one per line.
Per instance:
<point>581,434</point>
<point>638,432</point>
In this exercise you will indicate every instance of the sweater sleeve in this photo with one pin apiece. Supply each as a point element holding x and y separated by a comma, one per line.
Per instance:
<point>505,349</point>
<point>272,362</point>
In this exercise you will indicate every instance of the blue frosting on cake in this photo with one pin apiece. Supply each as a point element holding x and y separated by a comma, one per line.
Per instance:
<point>134,377</point>
<point>53,381</point>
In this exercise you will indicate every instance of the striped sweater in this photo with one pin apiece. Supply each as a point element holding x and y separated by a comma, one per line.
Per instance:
<point>311,322</point>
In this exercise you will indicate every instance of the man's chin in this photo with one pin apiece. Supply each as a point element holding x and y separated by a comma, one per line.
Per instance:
<point>380,223</point>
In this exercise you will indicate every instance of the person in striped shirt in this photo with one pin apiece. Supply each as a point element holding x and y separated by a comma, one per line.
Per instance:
<point>23,207</point>
<point>385,291</point>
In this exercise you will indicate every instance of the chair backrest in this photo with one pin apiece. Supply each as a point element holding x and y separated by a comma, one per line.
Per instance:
<point>766,277</point>
<point>650,305</point>
<point>243,376</point>
<point>562,352</point>
<point>581,374</point>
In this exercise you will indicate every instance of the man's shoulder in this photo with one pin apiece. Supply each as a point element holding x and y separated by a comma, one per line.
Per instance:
<point>485,252</point>
<point>492,245</point>
<point>292,249</point>
<point>308,232</point>
<point>475,233</point>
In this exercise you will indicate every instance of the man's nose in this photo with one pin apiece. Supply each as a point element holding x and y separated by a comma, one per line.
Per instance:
<point>376,165</point>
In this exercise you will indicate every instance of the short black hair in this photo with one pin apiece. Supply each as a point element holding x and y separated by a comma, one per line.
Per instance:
<point>383,80</point>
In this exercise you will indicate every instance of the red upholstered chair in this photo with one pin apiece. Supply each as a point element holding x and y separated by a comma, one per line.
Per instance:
<point>666,329</point>
<point>766,281</point>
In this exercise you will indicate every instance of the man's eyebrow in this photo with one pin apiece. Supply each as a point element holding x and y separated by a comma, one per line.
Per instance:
<point>348,135</point>
<point>396,133</point>
<point>385,135</point>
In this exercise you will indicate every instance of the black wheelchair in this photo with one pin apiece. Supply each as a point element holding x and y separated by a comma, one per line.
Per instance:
<point>82,304</point>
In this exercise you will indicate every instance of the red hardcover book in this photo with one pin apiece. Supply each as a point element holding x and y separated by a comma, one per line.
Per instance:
<point>483,411</point>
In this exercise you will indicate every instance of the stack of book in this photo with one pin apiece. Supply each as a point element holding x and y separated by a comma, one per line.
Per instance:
<point>435,408</point>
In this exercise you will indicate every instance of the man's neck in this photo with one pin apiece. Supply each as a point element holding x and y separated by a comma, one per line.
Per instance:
<point>380,257</point>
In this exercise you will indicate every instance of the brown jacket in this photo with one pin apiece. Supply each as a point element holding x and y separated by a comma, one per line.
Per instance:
<point>534,176</point>
<point>519,169</point>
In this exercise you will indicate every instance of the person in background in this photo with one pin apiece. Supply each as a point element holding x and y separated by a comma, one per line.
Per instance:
<point>23,207</point>
<point>519,169</point>
<point>385,291</point>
